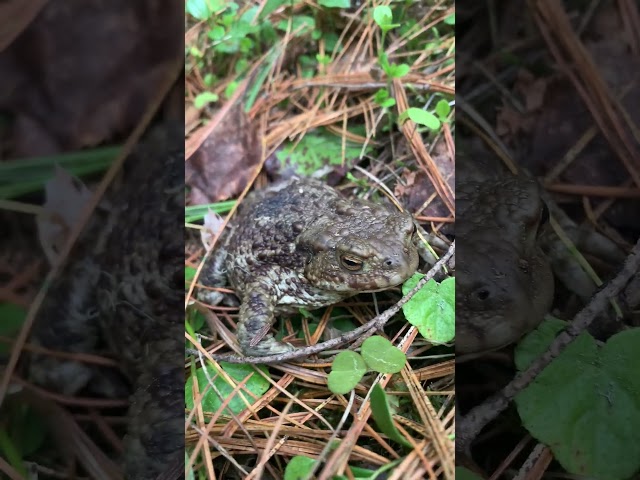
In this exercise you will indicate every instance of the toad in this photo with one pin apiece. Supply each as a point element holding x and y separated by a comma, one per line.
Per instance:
<point>299,243</point>
<point>504,285</point>
<point>509,255</point>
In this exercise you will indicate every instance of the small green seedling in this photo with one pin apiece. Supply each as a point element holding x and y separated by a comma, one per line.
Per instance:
<point>421,117</point>
<point>348,368</point>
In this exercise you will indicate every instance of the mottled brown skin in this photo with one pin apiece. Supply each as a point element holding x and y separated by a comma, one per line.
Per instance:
<point>504,282</point>
<point>301,244</point>
<point>123,290</point>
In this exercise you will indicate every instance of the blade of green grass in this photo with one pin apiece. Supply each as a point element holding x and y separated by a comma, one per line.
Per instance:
<point>21,176</point>
<point>196,213</point>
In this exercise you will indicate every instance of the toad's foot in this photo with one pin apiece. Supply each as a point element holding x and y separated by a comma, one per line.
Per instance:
<point>256,317</point>
<point>267,346</point>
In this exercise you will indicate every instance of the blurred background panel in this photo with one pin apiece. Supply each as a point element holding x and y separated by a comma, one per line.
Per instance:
<point>548,204</point>
<point>91,158</point>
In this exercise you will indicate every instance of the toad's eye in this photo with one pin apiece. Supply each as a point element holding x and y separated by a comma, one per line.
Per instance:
<point>351,263</point>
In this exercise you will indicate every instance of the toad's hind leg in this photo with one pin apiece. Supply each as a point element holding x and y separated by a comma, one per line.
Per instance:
<point>256,317</point>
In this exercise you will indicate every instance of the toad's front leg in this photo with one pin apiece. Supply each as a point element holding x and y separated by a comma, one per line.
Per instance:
<point>256,317</point>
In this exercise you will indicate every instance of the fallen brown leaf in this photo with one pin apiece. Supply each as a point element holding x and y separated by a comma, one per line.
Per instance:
<point>222,165</point>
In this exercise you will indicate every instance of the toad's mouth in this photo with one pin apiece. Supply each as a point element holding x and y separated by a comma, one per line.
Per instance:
<point>367,284</point>
<point>381,285</point>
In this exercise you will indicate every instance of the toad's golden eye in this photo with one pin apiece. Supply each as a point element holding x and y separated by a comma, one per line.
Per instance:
<point>351,263</point>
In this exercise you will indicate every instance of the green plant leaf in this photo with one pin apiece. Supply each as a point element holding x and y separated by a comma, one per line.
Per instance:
<point>323,59</point>
<point>383,59</point>
<point>204,98</point>
<point>271,6</point>
<point>383,16</point>
<point>10,452</point>
<point>26,175</point>
<point>209,79</point>
<point>537,342</point>
<point>465,474</point>
<point>451,19</point>
<point>383,98</point>
<point>315,150</point>
<point>196,321</point>
<point>343,324</point>
<point>421,117</point>
<point>399,71</point>
<point>299,467</point>
<point>204,9</point>
<point>189,274</point>
<point>382,415</point>
<point>347,370</point>
<point>11,319</point>
<point>211,402</point>
<point>194,213</point>
<point>190,475</point>
<point>586,404</point>
<point>26,428</point>
<point>299,23</point>
<point>432,309</point>
<point>216,33</point>
<point>443,109</point>
<point>335,3</point>
<point>230,89</point>
<point>382,356</point>
<point>331,42</point>
<point>363,473</point>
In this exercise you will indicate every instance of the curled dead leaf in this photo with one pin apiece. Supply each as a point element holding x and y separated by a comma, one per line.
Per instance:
<point>225,161</point>
<point>66,196</point>
<point>212,226</point>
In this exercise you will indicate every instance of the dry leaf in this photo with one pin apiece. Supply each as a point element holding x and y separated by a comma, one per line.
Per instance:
<point>66,196</point>
<point>212,225</point>
<point>85,72</point>
<point>222,166</point>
